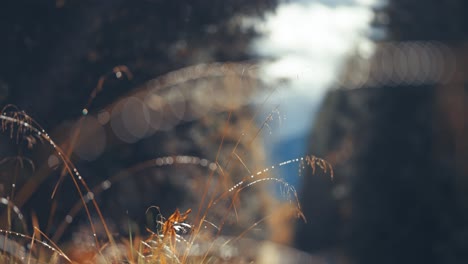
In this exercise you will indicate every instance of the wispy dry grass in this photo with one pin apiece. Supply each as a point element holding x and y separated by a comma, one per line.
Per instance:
<point>193,236</point>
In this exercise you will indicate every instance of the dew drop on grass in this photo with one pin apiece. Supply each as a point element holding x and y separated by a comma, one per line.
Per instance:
<point>106,184</point>
<point>90,196</point>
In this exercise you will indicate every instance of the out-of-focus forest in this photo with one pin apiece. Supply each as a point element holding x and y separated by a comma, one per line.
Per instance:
<point>395,133</point>
<point>93,74</point>
<point>57,50</point>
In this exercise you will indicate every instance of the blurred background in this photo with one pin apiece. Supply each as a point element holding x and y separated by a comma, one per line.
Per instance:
<point>374,87</point>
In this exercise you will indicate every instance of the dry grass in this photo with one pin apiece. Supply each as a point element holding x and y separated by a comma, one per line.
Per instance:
<point>196,235</point>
